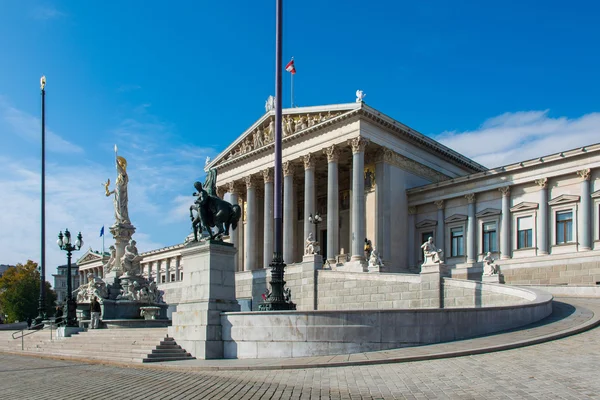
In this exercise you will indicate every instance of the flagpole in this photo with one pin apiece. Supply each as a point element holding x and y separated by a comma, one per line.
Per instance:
<point>292,80</point>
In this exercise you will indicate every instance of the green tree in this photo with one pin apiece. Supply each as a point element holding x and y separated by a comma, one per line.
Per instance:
<point>20,291</point>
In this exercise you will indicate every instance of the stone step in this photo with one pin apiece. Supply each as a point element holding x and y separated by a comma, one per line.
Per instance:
<point>168,351</point>
<point>175,358</point>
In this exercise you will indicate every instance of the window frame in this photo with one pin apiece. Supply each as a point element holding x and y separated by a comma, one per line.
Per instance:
<point>424,226</point>
<point>455,221</point>
<point>489,215</point>
<point>564,203</point>
<point>462,228</point>
<point>524,209</point>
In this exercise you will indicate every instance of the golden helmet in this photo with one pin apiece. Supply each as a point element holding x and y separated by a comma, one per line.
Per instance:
<point>122,162</point>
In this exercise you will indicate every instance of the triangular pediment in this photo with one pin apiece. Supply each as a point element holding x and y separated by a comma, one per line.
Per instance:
<point>296,121</point>
<point>488,212</point>
<point>524,206</point>
<point>426,223</point>
<point>563,199</point>
<point>88,257</point>
<point>456,218</point>
<point>596,194</point>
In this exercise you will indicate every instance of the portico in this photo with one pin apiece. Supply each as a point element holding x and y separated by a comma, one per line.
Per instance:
<point>347,162</point>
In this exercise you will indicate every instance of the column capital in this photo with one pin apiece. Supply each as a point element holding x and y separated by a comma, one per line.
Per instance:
<point>505,190</point>
<point>358,144</point>
<point>412,210</point>
<point>232,188</point>
<point>221,190</point>
<point>267,175</point>
<point>309,161</point>
<point>585,174</point>
<point>439,204</point>
<point>542,183</point>
<point>470,197</point>
<point>288,168</point>
<point>250,182</point>
<point>332,152</point>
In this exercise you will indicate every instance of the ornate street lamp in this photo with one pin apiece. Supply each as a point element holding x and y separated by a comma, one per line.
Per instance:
<point>64,242</point>
<point>316,220</point>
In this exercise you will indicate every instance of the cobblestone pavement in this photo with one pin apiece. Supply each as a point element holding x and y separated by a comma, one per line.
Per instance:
<point>563,369</point>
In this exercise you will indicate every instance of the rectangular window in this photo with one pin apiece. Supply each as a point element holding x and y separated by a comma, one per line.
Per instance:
<point>564,227</point>
<point>489,237</point>
<point>524,232</point>
<point>458,242</point>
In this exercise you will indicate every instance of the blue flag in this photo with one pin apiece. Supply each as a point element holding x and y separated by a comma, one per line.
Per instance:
<point>102,231</point>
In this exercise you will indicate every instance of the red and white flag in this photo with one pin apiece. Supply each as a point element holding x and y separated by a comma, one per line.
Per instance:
<point>290,67</point>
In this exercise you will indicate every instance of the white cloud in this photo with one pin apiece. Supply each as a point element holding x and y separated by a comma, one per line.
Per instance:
<point>518,136</point>
<point>29,128</point>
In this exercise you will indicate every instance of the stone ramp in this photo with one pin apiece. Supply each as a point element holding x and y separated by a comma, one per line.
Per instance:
<point>139,345</point>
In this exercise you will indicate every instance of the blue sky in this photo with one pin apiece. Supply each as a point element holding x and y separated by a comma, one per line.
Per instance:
<point>174,84</point>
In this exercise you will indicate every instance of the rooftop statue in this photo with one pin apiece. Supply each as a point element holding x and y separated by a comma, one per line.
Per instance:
<point>360,95</point>
<point>211,211</point>
<point>120,192</point>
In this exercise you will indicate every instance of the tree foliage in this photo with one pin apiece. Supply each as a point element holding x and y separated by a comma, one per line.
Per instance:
<point>20,292</point>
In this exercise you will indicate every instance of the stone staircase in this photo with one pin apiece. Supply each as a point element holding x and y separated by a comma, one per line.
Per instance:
<point>137,345</point>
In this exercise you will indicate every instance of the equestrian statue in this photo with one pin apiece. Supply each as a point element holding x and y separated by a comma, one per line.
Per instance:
<point>212,211</point>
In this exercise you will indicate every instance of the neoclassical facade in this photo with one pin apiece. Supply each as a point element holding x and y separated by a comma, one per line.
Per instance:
<point>372,177</point>
<point>349,163</point>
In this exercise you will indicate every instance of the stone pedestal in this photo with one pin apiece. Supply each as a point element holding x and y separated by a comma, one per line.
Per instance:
<point>67,331</point>
<point>353,266</point>
<point>430,285</point>
<point>122,234</point>
<point>208,290</point>
<point>496,278</point>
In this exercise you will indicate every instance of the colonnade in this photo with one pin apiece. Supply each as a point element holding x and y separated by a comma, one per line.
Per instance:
<point>251,262</point>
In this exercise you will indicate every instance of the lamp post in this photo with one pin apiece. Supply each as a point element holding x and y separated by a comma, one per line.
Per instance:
<point>316,220</point>
<point>42,299</point>
<point>279,299</point>
<point>64,242</point>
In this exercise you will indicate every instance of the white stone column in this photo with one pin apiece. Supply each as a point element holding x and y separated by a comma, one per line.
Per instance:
<point>471,230</point>
<point>412,259</point>
<point>358,197</point>
<point>268,218</point>
<point>177,268</point>
<point>505,247</point>
<point>383,240</point>
<point>542,218</point>
<point>250,234</point>
<point>168,270</point>
<point>288,212</point>
<point>585,218</point>
<point>158,271</point>
<point>333,193</point>
<point>309,193</point>
<point>234,235</point>
<point>440,232</point>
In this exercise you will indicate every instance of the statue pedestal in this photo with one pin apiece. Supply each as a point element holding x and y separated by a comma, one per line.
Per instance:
<point>122,234</point>
<point>353,266</point>
<point>375,268</point>
<point>431,295</point>
<point>496,278</point>
<point>208,290</point>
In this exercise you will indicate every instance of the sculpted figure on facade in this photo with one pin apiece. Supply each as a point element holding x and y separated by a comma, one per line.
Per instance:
<point>303,122</point>
<point>375,259</point>
<point>311,120</point>
<point>131,259</point>
<point>288,126</point>
<point>431,254</point>
<point>489,266</point>
<point>319,118</point>
<point>271,130</point>
<point>120,198</point>
<point>312,246</point>
<point>258,138</point>
<point>295,125</point>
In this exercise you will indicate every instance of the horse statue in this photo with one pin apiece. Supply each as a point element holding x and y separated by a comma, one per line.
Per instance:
<point>213,211</point>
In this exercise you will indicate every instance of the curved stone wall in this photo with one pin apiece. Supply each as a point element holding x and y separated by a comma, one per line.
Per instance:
<point>310,333</point>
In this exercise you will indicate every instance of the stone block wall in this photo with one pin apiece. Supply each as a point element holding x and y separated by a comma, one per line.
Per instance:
<point>585,273</point>
<point>465,293</point>
<point>337,290</point>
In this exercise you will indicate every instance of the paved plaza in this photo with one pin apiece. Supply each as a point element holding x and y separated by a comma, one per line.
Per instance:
<point>562,369</point>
